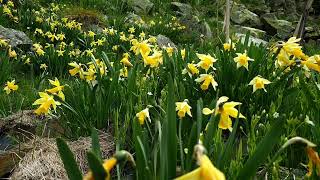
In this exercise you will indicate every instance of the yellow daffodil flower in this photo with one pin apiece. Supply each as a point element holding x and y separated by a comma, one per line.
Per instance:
<point>154,60</point>
<point>207,79</point>
<point>143,115</point>
<point>283,59</point>
<point>292,46</point>
<point>169,51</point>
<point>242,59</point>
<point>225,109</point>
<point>45,101</point>
<point>10,86</point>
<point>57,90</point>
<point>206,61</point>
<point>228,46</point>
<point>43,66</point>
<point>258,83</point>
<point>3,43</point>
<point>183,108</point>
<point>311,63</point>
<point>77,69</point>
<point>12,53</point>
<point>205,171</point>
<point>131,30</point>
<point>191,69</point>
<point>183,53</point>
<point>125,60</point>
<point>91,34</point>
<point>110,163</point>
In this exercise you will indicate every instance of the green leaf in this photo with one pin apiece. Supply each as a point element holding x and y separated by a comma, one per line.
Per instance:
<point>95,144</point>
<point>96,167</point>
<point>68,160</point>
<point>172,131</point>
<point>264,148</point>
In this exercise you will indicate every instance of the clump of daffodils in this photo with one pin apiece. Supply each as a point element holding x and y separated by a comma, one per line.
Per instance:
<point>290,54</point>
<point>226,110</point>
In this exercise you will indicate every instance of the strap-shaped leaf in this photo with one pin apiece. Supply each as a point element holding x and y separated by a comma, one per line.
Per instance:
<point>95,144</point>
<point>68,160</point>
<point>263,149</point>
<point>96,167</point>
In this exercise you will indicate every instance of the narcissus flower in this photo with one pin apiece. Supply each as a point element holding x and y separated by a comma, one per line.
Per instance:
<point>183,53</point>
<point>206,61</point>
<point>154,60</point>
<point>46,102</point>
<point>311,63</point>
<point>170,51</point>
<point>191,69</point>
<point>10,86</point>
<point>183,108</point>
<point>292,46</point>
<point>43,66</point>
<point>258,83</point>
<point>143,115</point>
<point>57,90</point>
<point>225,109</point>
<point>205,171</point>
<point>228,46</point>
<point>242,59</point>
<point>77,69</point>
<point>12,53</point>
<point>125,60</point>
<point>109,164</point>
<point>207,79</point>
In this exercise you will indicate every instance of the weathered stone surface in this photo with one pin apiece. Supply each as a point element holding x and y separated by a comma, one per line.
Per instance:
<point>181,9</point>
<point>277,26</point>
<point>132,19</point>
<point>15,37</point>
<point>253,31</point>
<point>252,39</point>
<point>140,6</point>
<point>164,41</point>
<point>241,15</point>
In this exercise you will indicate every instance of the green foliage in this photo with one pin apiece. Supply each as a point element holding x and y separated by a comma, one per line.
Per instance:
<point>68,160</point>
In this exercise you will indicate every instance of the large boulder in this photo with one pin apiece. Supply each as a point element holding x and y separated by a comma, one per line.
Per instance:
<point>15,37</point>
<point>163,41</point>
<point>279,27</point>
<point>253,31</point>
<point>188,17</point>
<point>140,6</point>
<point>241,15</point>
<point>181,9</point>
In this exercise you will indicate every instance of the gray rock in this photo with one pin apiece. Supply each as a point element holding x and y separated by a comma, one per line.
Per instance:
<point>196,27</point>
<point>181,9</point>
<point>131,18</point>
<point>241,15</point>
<point>140,6</point>
<point>282,28</point>
<point>164,41</point>
<point>253,31</point>
<point>15,37</point>
<point>252,39</point>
